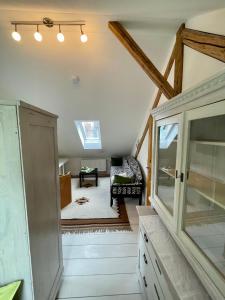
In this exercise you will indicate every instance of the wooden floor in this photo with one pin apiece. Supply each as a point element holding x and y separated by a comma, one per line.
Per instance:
<point>102,265</point>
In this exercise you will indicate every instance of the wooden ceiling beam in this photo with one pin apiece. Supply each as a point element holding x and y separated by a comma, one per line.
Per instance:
<point>139,145</point>
<point>179,58</point>
<point>210,50</point>
<point>157,98</point>
<point>137,53</point>
<point>166,75</point>
<point>203,37</point>
<point>149,162</point>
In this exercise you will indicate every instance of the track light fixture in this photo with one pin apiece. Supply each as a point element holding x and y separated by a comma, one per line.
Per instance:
<point>48,23</point>
<point>60,36</point>
<point>15,34</point>
<point>83,36</point>
<point>37,35</point>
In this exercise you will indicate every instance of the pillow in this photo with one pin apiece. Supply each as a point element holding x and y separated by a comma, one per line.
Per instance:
<point>124,174</point>
<point>123,180</point>
<point>116,161</point>
<point>133,163</point>
<point>127,169</point>
<point>8,292</point>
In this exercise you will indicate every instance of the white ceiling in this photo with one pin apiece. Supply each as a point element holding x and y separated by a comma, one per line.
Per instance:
<point>112,88</point>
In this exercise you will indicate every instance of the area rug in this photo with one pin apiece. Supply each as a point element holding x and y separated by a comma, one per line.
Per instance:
<point>98,204</point>
<point>94,215</point>
<point>121,223</point>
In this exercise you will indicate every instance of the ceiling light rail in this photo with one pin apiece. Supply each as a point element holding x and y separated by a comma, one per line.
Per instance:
<point>48,23</point>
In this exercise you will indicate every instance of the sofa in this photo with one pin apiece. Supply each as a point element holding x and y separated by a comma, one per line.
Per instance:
<point>130,168</point>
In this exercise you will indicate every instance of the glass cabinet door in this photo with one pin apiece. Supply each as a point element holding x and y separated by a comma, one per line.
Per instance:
<point>204,190</point>
<point>167,132</point>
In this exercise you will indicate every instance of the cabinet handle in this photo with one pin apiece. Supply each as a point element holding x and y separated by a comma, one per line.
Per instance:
<point>145,259</point>
<point>158,266</point>
<point>181,177</point>
<point>145,283</point>
<point>156,292</point>
<point>145,237</point>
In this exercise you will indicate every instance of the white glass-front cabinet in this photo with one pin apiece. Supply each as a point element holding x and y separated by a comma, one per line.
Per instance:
<point>167,166</point>
<point>188,186</point>
<point>202,202</point>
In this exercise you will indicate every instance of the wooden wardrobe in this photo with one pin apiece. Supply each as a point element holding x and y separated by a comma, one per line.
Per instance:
<point>30,238</point>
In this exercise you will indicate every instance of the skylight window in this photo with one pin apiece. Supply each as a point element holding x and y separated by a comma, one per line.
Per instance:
<point>90,135</point>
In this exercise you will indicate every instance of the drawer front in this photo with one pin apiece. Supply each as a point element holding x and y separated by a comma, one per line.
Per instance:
<point>155,262</point>
<point>156,265</point>
<point>150,282</point>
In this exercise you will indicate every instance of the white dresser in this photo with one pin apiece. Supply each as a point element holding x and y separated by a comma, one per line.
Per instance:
<point>30,238</point>
<point>163,271</point>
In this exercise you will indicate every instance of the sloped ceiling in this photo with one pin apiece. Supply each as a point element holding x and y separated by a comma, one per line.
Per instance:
<point>112,87</point>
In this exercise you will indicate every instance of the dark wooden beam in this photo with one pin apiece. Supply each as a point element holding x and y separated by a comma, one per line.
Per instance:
<point>179,58</point>
<point>203,37</point>
<point>210,50</point>
<point>146,64</point>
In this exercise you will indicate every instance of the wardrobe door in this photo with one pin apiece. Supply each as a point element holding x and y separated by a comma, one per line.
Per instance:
<point>203,210</point>
<point>14,247</point>
<point>167,166</point>
<point>39,149</point>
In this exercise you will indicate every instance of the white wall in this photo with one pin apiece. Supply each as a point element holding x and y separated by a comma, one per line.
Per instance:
<point>111,82</point>
<point>74,164</point>
<point>197,66</point>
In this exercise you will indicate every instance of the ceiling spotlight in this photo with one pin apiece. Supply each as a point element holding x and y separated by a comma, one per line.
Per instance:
<point>15,35</point>
<point>37,35</point>
<point>60,36</point>
<point>83,36</point>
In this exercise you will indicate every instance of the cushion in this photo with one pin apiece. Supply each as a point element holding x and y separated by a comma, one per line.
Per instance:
<point>8,292</point>
<point>127,169</point>
<point>116,161</point>
<point>116,170</point>
<point>123,180</point>
<point>135,167</point>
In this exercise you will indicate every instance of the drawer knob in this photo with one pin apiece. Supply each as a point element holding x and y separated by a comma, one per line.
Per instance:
<point>145,237</point>
<point>156,291</point>
<point>145,259</point>
<point>145,283</point>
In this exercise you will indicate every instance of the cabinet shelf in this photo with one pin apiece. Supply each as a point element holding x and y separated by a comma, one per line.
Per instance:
<point>204,186</point>
<point>211,143</point>
<point>170,172</point>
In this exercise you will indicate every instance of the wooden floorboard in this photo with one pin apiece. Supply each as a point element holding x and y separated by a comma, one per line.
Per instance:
<point>106,266</point>
<point>101,265</point>
<point>115,297</point>
<point>98,285</point>
<point>99,251</point>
